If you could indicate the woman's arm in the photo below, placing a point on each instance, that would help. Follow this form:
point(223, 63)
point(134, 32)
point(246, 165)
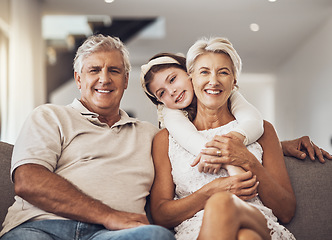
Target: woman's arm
point(168, 212)
point(275, 189)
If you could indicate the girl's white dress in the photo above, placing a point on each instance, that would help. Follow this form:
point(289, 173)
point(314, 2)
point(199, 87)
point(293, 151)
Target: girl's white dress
point(187, 180)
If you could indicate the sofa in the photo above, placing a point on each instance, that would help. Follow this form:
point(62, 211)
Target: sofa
point(311, 181)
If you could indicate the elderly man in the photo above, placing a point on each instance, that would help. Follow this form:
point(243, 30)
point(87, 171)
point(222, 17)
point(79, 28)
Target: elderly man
point(83, 171)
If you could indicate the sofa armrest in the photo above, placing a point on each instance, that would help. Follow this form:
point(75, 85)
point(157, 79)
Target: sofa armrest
point(312, 184)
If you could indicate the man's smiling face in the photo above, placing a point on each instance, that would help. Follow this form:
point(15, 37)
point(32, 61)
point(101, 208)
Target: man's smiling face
point(102, 81)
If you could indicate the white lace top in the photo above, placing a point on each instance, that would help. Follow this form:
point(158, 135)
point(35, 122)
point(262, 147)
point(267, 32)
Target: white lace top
point(188, 179)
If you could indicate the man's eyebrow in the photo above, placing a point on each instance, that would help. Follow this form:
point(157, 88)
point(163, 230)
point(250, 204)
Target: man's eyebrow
point(115, 67)
point(93, 66)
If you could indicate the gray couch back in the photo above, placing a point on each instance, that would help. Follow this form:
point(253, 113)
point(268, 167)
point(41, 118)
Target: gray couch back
point(312, 183)
point(6, 186)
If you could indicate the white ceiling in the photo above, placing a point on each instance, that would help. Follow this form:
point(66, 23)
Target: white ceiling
point(284, 25)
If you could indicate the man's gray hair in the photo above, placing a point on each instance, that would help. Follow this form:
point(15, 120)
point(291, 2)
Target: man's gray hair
point(100, 43)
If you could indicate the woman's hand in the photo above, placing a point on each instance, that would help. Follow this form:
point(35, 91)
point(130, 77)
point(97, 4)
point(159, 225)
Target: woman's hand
point(243, 185)
point(303, 146)
point(233, 152)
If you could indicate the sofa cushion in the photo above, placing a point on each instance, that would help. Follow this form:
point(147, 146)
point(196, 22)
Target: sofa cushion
point(6, 186)
point(312, 183)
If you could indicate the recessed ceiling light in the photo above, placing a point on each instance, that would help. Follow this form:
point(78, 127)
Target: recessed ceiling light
point(109, 1)
point(272, 0)
point(254, 27)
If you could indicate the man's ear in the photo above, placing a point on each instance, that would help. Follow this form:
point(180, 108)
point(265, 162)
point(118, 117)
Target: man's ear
point(77, 80)
point(126, 80)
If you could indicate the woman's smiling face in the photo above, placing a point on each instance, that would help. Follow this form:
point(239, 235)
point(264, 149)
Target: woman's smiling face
point(213, 79)
point(172, 87)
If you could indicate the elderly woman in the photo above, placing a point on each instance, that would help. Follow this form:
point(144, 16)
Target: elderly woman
point(207, 206)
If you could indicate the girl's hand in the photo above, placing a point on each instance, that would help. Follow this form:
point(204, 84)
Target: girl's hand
point(201, 160)
point(208, 167)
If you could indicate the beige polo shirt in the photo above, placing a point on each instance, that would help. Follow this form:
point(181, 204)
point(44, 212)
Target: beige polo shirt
point(112, 164)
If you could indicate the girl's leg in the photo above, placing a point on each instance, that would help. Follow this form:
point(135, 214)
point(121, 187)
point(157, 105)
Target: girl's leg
point(225, 215)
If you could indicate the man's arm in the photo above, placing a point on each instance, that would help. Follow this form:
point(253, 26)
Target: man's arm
point(303, 146)
point(52, 193)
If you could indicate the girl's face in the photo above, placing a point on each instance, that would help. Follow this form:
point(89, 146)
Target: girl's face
point(213, 80)
point(172, 87)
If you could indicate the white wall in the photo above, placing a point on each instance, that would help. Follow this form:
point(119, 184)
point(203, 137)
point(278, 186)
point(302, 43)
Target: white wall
point(26, 80)
point(259, 90)
point(65, 94)
point(303, 92)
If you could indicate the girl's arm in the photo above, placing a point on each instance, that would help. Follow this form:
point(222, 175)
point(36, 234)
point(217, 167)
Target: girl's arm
point(168, 212)
point(249, 118)
point(186, 134)
point(183, 130)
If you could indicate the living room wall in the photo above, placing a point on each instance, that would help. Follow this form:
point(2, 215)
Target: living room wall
point(25, 74)
point(303, 90)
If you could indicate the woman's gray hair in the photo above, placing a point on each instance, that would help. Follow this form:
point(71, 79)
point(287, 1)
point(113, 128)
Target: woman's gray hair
point(100, 43)
point(215, 45)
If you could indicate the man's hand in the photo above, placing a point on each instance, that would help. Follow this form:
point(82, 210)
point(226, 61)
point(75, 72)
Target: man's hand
point(303, 146)
point(122, 220)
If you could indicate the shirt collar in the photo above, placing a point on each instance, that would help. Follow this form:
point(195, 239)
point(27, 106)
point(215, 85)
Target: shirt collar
point(93, 117)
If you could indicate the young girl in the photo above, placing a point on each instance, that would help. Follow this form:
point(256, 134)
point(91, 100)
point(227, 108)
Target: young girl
point(166, 82)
